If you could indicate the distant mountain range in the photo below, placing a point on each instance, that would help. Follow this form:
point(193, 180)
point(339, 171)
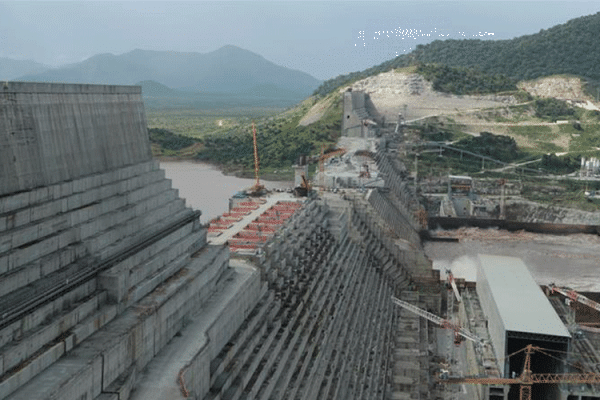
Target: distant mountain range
point(569, 48)
point(11, 69)
point(228, 71)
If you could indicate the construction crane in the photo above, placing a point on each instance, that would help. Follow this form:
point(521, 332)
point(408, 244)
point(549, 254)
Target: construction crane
point(527, 378)
point(574, 296)
point(459, 331)
point(324, 156)
point(452, 283)
point(257, 189)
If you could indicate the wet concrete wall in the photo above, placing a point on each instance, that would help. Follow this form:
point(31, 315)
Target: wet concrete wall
point(52, 133)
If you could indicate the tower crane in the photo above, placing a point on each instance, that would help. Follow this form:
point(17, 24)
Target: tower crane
point(527, 378)
point(257, 189)
point(459, 331)
point(574, 296)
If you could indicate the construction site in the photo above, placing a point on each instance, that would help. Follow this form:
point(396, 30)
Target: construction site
point(344, 288)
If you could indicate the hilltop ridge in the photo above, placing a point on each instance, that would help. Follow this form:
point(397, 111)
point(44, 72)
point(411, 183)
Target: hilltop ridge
point(549, 52)
point(229, 69)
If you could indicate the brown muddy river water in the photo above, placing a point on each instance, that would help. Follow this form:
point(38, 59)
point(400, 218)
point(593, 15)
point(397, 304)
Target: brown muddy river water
point(569, 260)
point(207, 189)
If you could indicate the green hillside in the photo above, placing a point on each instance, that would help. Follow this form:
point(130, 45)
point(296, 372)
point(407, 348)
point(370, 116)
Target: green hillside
point(571, 48)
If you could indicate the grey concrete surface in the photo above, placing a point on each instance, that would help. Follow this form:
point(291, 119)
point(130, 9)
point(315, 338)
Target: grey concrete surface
point(52, 133)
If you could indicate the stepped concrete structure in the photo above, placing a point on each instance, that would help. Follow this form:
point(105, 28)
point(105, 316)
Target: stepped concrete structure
point(110, 291)
point(101, 262)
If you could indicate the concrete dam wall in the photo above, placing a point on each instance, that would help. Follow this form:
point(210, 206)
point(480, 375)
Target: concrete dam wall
point(109, 290)
point(52, 133)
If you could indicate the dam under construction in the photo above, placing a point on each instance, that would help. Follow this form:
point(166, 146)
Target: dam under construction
point(112, 289)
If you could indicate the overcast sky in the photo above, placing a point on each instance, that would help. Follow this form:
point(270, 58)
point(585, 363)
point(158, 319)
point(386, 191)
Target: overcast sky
point(324, 39)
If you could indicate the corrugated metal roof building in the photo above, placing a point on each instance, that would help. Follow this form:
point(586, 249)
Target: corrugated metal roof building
point(519, 314)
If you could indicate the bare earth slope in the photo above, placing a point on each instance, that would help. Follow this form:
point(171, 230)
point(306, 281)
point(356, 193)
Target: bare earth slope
point(560, 87)
point(391, 91)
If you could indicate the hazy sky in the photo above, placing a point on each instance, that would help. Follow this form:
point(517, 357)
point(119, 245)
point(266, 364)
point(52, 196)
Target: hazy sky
point(324, 39)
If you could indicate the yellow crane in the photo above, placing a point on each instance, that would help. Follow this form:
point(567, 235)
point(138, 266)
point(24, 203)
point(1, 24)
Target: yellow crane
point(527, 378)
point(257, 189)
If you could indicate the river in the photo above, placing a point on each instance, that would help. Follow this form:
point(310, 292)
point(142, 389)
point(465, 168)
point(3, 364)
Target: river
point(207, 189)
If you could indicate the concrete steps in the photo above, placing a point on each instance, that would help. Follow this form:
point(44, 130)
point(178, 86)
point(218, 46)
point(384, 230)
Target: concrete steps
point(50, 237)
point(62, 222)
point(112, 344)
point(322, 330)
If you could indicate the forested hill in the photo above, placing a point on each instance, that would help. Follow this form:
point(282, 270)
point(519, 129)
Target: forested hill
point(570, 48)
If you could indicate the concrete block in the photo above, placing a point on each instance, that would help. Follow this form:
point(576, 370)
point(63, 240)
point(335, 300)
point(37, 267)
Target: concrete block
point(69, 342)
point(45, 210)
point(25, 374)
point(54, 191)
point(86, 183)
point(67, 256)
point(66, 189)
point(114, 284)
point(51, 263)
point(78, 186)
point(117, 358)
point(14, 202)
point(22, 217)
point(3, 264)
point(94, 322)
point(95, 180)
point(66, 238)
point(20, 278)
point(88, 198)
point(5, 243)
point(74, 201)
point(23, 236)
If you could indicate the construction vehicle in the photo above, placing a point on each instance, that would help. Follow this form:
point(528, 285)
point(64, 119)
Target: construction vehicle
point(460, 333)
point(527, 378)
point(304, 189)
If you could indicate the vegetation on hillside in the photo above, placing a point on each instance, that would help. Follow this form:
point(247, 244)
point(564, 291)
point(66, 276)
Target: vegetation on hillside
point(560, 165)
point(499, 147)
point(461, 80)
point(280, 140)
point(553, 109)
point(570, 48)
point(169, 140)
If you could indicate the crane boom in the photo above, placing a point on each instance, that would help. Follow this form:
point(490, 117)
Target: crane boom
point(573, 295)
point(526, 379)
point(324, 156)
point(453, 285)
point(257, 184)
point(590, 377)
point(444, 323)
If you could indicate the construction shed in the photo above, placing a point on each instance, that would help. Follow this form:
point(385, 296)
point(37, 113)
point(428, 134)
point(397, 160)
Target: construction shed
point(518, 313)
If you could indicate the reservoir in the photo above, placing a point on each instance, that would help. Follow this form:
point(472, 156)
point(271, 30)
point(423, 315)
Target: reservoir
point(204, 187)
